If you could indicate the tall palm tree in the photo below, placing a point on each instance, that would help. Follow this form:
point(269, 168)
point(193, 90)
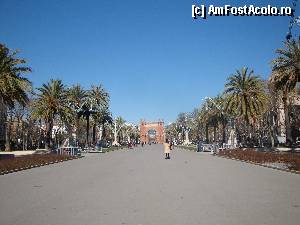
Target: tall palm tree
point(99, 98)
point(51, 102)
point(245, 95)
point(77, 97)
point(104, 118)
point(203, 120)
point(245, 99)
point(286, 67)
point(218, 115)
point(285, 75)
point(194, 132)
point(13, 87)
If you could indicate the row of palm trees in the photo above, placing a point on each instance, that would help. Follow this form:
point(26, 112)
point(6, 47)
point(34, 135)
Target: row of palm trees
point(250, 106)
point(53, 104)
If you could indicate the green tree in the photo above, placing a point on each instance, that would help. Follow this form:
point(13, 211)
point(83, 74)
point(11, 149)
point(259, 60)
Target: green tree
point(245, 99)
point(217, 115)
point(245, 95)
point(285, 75)
point(100, 102)
point(118, 124)
point(13, 86)
point(51, 102)
point(286, 67)
point(76, 97)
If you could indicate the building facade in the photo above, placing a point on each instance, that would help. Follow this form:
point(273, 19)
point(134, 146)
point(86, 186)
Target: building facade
point(152, 132)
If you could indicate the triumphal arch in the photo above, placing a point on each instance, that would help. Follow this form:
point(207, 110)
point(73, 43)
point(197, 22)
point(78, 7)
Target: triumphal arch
point(152, 132)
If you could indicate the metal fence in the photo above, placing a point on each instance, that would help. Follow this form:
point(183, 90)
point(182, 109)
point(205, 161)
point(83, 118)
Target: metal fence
point(74, 151)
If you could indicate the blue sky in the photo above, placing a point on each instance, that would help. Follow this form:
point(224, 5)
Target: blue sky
point(153, 58)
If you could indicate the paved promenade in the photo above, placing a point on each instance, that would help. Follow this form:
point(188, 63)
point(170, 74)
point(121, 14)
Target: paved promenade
point(140, 187)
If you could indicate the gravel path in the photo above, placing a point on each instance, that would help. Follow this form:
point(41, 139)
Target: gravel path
point(140, 187)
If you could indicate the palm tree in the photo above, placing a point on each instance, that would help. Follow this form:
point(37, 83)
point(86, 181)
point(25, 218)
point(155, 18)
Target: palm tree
point(103, 119)
point(245, 98)
point(286, 66)
point(203, 118)
point(285, 75)
point(51, 102)
point(217, 114)
point(89, 103)
point(76, 97)
point(13, 87)
point(100, 101)
point(197, 124)
point(99, 96)
point(245, 95)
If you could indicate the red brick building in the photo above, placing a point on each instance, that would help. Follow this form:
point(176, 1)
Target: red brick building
point(152, 132)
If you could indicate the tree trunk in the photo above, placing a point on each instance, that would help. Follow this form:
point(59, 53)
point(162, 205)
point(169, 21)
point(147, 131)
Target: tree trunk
point(3, 119)
point(94, 133)
point(77, 130)
point(288, 132)
point(49, 126)
point(23, 136)
point(7, 136)
point(69, 134)
point(40, 134)
point(8, 133)
point(101, 132)
point(272, 138)
point(26, 141)
point(87, 129)
point(103, 136)
point(223, 132)
point(206, 133)
point(215, 133)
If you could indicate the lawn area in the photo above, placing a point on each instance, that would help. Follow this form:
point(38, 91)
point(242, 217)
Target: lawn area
point(284, 160)
point(28, 161)
point(187, 147)
point(114, 148)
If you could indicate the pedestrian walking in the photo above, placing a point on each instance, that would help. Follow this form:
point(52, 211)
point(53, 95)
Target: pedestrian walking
point(167, 149)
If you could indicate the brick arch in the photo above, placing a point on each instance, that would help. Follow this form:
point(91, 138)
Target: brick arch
point(157, 126)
